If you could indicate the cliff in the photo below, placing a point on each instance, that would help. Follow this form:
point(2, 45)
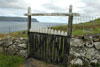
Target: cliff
point(16, 19)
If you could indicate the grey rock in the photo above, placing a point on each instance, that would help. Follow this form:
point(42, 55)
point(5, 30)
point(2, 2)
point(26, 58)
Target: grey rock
point(88, 37)
point(1, 50)
point(12, 49)
point(22, 45)
point(21, 38)
point(77, 55)
point(97, 45)
point(1, 43)
point(96, 56)
point(77, 61)
point(90, 53)
point(94, 61)
point(22, 53)
point(17, 41)
point(89, 44)
point(76, 43)
point(6, 45)
point(10, 42)
point(96, 38)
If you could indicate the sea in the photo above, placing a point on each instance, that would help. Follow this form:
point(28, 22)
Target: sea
point(6, 27)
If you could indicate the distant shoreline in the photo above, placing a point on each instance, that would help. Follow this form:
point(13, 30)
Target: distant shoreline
point(16, 19)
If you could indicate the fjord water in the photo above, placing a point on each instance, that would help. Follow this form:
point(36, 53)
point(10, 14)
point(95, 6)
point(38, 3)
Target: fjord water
point(5, 27)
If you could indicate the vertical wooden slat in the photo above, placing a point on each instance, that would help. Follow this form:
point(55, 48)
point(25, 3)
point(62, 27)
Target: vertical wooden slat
point(66, 50)
point(61, 49)
point(47, 51)
point(40, 45)
point(45, 46)
point(57, 46)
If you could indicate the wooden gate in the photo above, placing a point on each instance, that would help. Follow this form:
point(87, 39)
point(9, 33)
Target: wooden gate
point(50, 46)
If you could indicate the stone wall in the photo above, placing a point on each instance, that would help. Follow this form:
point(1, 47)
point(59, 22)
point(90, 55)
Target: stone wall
point(14, 46)
point(85, 50)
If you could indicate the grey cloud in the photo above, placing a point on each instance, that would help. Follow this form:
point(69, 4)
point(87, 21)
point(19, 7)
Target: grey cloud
point(52, 6)
point(92, 7)
point(19, 4)
point(11, 0)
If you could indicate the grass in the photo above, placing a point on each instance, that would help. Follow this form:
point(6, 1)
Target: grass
point(10, 61)
point(15, 34)
point(91, 27)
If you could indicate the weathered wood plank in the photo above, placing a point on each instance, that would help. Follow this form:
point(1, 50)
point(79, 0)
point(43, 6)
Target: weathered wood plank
point(53, 14)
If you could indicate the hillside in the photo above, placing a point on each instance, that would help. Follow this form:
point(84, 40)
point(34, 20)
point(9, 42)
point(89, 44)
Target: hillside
point(16, 19)
point(91, 27)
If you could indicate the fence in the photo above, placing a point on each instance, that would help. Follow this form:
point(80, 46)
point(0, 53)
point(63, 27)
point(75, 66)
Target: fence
point(86, 25)
point(47, 44)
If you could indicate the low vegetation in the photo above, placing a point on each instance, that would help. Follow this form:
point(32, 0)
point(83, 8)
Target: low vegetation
point(91, 27)
point(10, 61)
point(14, 34)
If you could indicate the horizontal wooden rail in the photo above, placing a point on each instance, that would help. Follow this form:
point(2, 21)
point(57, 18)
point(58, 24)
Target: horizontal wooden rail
point(52, 14)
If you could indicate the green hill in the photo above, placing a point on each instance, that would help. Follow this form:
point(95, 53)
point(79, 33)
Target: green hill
point(91, 27)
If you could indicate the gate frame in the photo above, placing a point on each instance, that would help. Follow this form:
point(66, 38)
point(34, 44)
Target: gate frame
point(70, 22)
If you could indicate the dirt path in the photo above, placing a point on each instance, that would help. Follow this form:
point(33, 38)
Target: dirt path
point(36, 63)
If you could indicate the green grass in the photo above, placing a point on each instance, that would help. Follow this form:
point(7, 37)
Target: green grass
point(15, 34)
point(91, 27)
point(78, 29)
point(10, 61)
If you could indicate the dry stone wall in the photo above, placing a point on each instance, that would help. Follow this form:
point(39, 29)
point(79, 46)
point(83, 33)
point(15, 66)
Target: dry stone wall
point(84, 50)
point(14, 46)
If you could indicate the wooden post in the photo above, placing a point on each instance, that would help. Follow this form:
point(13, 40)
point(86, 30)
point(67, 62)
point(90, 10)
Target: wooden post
point(29, 19)
point(28, 30)
point(70, 20)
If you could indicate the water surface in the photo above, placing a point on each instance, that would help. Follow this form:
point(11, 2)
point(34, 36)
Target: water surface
point(5, 27)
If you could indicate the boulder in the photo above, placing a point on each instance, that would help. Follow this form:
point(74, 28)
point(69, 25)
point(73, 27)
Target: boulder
point(21, 38)
point(89, 44)
point(76, 42)
point(22, 53)
point(96, 38)
point(90, 53)
point(88, 37)
point(77, 61)
point(23, 46)
point(12, 49)
point(97, 45)
point(8, 43)
point(94, 61)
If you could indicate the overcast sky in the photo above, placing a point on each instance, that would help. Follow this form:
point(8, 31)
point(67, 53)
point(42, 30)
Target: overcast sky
point(19, 7)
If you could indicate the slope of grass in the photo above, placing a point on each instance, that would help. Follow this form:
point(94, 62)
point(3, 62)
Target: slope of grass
point(91, 27)
point(10, 61)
